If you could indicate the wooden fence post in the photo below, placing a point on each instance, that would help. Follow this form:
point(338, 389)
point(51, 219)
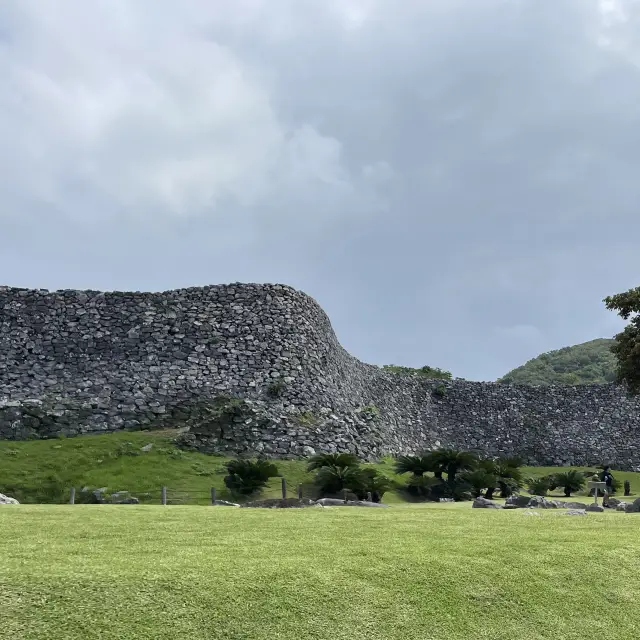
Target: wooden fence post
point(213, 496)
point(72, 496)
point(164, 495)
point(284, 489)
point(299, 492)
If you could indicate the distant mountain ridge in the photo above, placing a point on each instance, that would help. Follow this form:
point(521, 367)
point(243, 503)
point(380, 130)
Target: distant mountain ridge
point(587, 363)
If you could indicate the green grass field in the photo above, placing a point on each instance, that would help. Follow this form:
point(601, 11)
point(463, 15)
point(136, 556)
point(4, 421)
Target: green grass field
point(441, 572)
point(117, 462)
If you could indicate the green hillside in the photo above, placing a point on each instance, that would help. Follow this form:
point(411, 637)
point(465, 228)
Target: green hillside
point(588, 363)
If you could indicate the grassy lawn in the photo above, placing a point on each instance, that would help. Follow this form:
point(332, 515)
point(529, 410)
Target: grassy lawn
point(117, 461)
point(441, 572)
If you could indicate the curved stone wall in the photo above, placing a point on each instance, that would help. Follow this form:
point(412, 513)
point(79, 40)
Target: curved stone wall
point(85, 361)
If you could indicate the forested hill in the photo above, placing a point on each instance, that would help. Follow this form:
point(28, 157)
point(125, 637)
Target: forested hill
point(587, 363)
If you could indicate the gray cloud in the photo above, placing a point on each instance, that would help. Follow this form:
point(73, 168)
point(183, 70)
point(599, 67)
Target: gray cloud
point(453, 180)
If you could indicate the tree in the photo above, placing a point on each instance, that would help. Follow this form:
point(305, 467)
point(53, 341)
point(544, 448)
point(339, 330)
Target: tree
point(570, 481)
point(627, 343)
point(332, 460)
point(375, 483)
point(246, 477)
point(479, 480)
point(452, 461)
point(332, 480)
point(419, 464)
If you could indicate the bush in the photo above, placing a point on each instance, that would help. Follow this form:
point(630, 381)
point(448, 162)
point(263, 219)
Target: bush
point(246, 477)
point(276, 389)
point(539, 486)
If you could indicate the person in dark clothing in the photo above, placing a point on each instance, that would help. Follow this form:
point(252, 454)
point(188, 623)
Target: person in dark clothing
point(607, 478)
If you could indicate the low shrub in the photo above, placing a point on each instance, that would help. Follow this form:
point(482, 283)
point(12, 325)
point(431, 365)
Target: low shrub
point(539, 486)
point(247, 477)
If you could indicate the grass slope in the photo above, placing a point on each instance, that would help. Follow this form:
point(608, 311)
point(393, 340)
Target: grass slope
point(117, 462)
point(588, 363)
point(404, 573)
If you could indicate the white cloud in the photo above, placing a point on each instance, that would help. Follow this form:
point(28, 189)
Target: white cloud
point(107, 108)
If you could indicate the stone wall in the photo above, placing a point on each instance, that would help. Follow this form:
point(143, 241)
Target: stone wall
point(87, 362)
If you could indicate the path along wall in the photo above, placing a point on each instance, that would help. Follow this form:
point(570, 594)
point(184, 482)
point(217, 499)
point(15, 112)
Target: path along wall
point(77, 362)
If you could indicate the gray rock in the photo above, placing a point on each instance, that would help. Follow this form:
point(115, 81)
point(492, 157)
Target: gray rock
point(539, 502)
point(575, 512)
point(518, 501)
point(530, 513)
point(225, 503)
point(7, 500)
point(634, 507)
point(623, 506)
point(574, 505)
point(596, 508)
point(334, 502)
point(147, 447)
point(483, 503)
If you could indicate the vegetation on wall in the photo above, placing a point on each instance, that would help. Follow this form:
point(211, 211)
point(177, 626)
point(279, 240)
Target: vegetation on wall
point(587, 363)
point(425, 372)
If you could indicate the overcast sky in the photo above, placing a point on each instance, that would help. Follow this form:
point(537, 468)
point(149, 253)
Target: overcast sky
point(457, 182)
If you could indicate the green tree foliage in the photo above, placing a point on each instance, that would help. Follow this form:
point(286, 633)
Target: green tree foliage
point(425, 372)
point(452, 462)
point(588, 363)
point(570, 481)
point(479, 480)
point(441, 462)
point(337, 472)
point(626, 347)
point(321, 460)
point(419, 464)
point(331, 481)
point(246, 477)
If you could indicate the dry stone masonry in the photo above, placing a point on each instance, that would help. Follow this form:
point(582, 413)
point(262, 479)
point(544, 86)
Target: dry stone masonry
point(254, 368)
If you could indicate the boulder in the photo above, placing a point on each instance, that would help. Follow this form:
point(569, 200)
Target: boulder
point(335, 502)
point(612, 503)
point(634, 507)
point(519, 502)
point(511, 506)
point(123, 497)
point(7, 500)
point(579, 506)
point(623, 506)
point(279, 503)
point(539, 502)
point(576, 512)
point(483, 503)
point(596, 508)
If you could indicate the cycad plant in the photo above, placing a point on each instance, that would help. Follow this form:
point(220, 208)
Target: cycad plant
point(246, 477)
point(338, 460)
point(332, 480)
point(570, 481)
